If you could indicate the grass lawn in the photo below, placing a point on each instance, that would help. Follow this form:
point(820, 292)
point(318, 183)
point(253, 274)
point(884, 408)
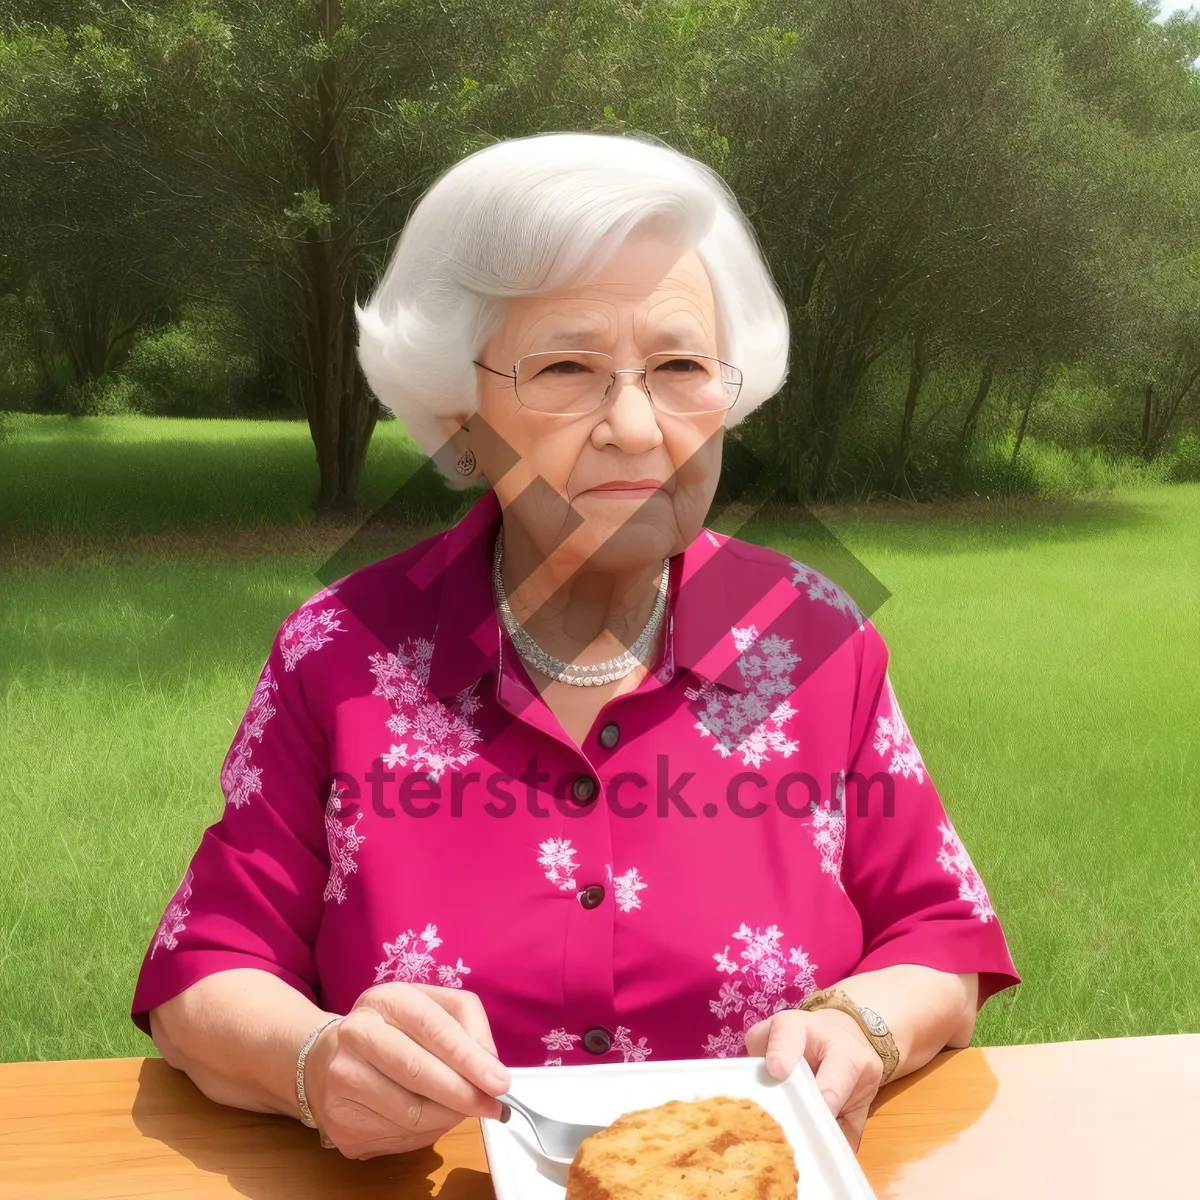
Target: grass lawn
point(1045, 653)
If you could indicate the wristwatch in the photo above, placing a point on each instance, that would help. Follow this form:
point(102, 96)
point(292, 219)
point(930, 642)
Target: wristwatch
point(872, 1024)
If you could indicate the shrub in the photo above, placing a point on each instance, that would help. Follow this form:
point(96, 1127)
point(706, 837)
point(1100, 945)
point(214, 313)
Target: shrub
point(198, 366)
point(55, 389)
point(1181, 462)
point(118, 396)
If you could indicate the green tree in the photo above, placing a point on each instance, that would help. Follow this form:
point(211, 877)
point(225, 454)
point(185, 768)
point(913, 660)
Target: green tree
point(992, 182)
point(90, 233)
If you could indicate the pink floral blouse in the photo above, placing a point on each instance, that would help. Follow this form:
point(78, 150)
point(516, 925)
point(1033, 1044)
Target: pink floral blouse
point(752, 822)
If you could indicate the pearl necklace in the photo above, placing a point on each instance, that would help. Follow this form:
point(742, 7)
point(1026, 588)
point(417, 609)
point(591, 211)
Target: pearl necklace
point(588, 674)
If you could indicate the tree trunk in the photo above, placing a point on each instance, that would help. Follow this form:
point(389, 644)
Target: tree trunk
point(916, 377)
point(967, 433)
point(825, 447)
point(783, 452)
point(831, 354)
point(1158, 418)
point(341, 413)
point(1033, 390)
point(1147, 408)
point(834, 404)
point(92, 328)
point(780, 452)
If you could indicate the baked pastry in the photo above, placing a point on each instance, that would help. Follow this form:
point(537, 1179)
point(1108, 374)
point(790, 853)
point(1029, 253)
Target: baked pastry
point(717, 1149)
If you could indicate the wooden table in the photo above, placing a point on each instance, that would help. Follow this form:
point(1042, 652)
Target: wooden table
point(1109, 1118)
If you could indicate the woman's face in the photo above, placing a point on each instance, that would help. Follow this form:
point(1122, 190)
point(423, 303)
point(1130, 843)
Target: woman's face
point(548, 469)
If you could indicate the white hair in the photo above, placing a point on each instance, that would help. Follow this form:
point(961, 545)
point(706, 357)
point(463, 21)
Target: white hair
point(527, 215)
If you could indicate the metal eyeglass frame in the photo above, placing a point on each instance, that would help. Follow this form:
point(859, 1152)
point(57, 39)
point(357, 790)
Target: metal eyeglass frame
point(618, 371)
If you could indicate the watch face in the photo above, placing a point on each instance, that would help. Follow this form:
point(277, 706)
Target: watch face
point(875, 1023)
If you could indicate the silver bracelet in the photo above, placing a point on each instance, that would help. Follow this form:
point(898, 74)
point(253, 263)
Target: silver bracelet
point(305, 1115)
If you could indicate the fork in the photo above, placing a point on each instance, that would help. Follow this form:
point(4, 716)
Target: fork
point(558, 1139)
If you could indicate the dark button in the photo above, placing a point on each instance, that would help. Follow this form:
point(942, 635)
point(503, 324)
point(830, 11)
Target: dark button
point(608, 736)
point(597, 1040)
point(591, 897)
point(583, 789)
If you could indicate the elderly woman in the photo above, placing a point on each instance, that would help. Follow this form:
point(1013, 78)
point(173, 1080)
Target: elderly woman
point(578, 780)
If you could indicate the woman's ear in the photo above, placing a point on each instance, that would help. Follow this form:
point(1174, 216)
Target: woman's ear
point(455, 452)
point(454, 425)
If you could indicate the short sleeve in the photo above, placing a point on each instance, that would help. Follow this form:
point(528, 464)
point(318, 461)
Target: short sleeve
point(252, 894)
point(919, 896)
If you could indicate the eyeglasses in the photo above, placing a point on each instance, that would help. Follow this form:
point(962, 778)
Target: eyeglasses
point(574, 382)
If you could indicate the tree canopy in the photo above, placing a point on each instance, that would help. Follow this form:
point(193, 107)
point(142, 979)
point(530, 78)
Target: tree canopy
point(1006, 186)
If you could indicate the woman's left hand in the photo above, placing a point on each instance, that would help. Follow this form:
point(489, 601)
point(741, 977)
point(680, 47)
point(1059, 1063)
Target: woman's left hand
point(846, 1065)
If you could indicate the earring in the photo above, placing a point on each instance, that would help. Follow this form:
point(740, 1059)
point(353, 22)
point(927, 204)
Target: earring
point(465, 464)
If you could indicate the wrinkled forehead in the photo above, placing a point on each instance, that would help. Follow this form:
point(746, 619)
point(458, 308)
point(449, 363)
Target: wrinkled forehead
point(646, 285)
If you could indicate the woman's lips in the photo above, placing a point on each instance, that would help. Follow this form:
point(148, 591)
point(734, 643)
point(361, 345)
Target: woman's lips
point(621, 490)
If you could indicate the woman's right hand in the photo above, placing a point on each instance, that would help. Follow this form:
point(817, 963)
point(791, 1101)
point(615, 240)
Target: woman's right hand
point(406, 1064)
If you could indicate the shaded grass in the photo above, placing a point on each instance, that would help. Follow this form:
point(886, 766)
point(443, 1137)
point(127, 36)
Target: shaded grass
point(102, 477)
point(1044, 656)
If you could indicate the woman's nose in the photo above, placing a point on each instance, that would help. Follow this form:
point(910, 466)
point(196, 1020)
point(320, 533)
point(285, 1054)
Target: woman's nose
point(631, 418)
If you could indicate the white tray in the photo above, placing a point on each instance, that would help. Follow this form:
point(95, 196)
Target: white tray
point(597, 1095)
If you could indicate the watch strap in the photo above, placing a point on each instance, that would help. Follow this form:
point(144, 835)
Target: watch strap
point(872, 1025)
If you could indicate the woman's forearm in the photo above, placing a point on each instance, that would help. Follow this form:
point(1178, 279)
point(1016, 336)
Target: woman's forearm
point(237, 1034)
point(926, 1010)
